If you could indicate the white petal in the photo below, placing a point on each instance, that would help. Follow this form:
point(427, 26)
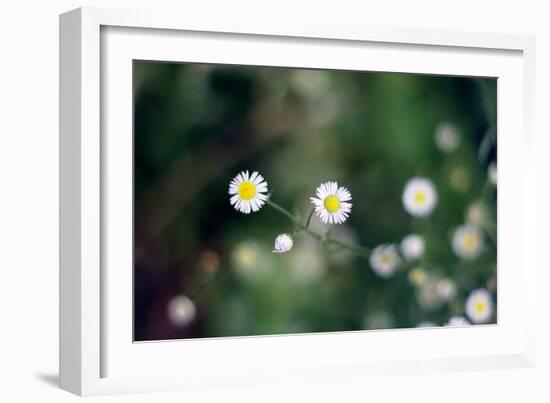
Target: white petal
point(258, 180)
point(253, 177)
point(254, 204)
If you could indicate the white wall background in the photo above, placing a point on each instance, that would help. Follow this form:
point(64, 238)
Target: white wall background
point(29, 201)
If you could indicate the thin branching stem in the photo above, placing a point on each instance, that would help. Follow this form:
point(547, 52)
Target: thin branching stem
point(358, 249)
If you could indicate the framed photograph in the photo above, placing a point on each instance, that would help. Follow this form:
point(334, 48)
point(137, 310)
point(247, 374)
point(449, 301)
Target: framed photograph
point(250, 202)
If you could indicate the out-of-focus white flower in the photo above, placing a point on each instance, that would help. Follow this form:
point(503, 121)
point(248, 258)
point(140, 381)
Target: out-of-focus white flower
point(447, 137)
point(427, 295)
point(311, 83)
point(248, 192)
point(181, 310)
point(307, 264)
point(479, 306)
point(417, 276)
point(384, 259)
point(458, 321)
point(324, 104)
point(492, 173)
point(412, 247)
point(378, 320)
point(325, 109)
point(283, 243)
point(332, 203)
point(426, 324)
point(245, 258)
point(419, 197)
point(476, 213)
point(467, 241)
point(446, 289)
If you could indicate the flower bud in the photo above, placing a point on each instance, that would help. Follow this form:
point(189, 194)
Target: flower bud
point(283, 243)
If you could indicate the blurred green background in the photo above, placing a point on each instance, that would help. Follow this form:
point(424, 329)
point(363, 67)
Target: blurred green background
point(202, 269)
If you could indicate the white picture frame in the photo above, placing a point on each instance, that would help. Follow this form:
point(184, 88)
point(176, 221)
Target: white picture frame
point(97, 353)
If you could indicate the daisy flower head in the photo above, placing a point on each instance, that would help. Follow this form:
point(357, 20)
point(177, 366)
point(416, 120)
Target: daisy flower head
point(384, 259)
point(419, 197)
point(283, 243)
point(427, 295)
point(467, 241)
point(476, 213)
point(412, 247)
point(417, 276)
point(248, 192)
point(446, 289)
point(332, 203)
point(181, 310)
point(458, 321)
point(479, 306)
point(307, 264)
point(447, 137)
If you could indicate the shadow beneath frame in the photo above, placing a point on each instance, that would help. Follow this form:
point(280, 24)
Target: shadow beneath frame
point(49, 379)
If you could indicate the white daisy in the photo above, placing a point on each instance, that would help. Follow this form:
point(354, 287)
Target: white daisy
point(332, 203)
point(412, 247)
point(248, 192)
point(492, 173)
point(447, 137)
point(476, 213)
point(458, 321)
point(419, 197)
point(446, 289)
point(467, 241)
point(427, 295)
point(384, 259)
point(283, 243)
point(307, 264)
point(181, 310)
point(246, 258)
point(417, 276)
point(479, 306)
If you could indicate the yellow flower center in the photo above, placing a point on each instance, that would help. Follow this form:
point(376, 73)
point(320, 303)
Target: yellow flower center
point(479, 307)
point(332, 203)
point(247, 190)
point(469, 242)
point(246, 257)
point(420, 196)
point(417, 276)
point(386, 258)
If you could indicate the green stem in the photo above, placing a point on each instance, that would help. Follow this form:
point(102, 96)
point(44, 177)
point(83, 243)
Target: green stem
point(285, 212)
point(360, 250)
point(308, 221)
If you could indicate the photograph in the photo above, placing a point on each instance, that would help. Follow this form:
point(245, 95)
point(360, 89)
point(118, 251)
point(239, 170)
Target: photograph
point(273, 200)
